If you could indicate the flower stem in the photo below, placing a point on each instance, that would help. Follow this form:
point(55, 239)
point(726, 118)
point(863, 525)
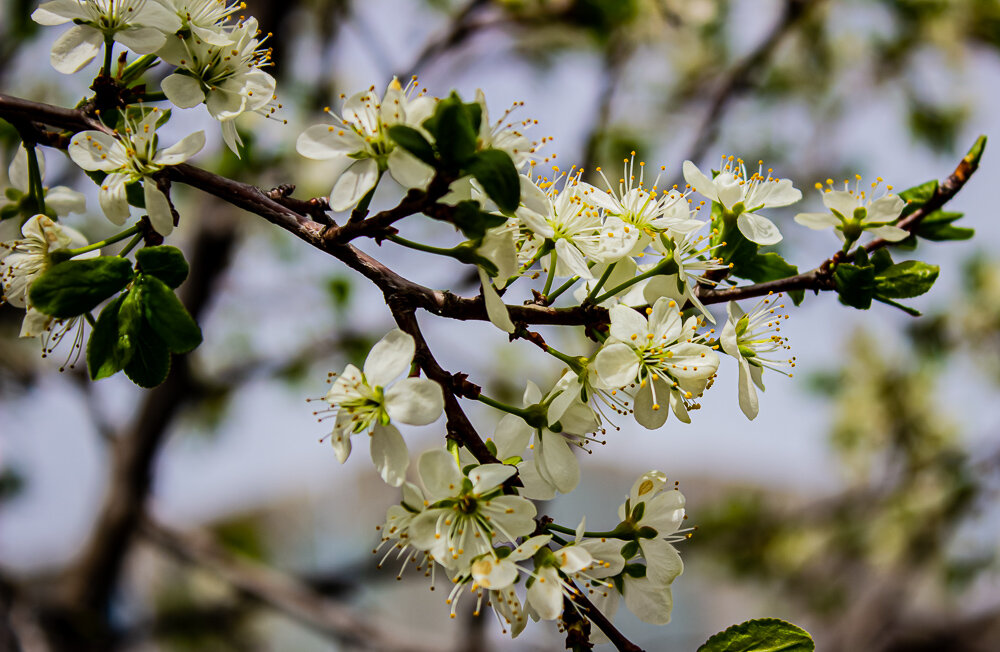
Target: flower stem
point(611, 534)
point(109, 46)
point(131, 245)
point(562, 288)
point(656, 270)
point(551, 276)
point(35, 179)
point(601, 281)
point(575, 363)
point(135, 69)
point(69, 253)
point(510, 409)
point(154, 96)
point(440, 251)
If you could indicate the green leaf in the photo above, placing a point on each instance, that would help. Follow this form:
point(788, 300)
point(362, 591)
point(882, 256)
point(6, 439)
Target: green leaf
point(167, 316)
point(454, 136)
point(150, 361)
point(881, 259)
point(473, 222)
point(74, 287)
point(414, 142)
point(770, 267)
point(104, 357)
point(164, 262)
point(855, 285)
point(917, 196)
point(938, 227)
point(907, 279)
point(912, 312)
point(761, 635)
point(495, 172)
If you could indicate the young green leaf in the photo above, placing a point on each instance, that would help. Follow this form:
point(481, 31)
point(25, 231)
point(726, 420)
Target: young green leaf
point(414, 142)
point(103, 354)
point(472, 221)
point(855, 285)
point(454, 136)
point(164, 262)
point(495, 172)
point(770, 267)
point(761, 635)
point(907, 279)
point(167, 316)
point(917, 196)
point(73, 287)
point(150, 361)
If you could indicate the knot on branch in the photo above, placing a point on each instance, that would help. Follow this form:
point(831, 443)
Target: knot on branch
point(521, 332)
point(462, 386)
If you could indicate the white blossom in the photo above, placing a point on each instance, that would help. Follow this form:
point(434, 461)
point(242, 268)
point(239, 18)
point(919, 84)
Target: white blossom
point(362, 402)
point(60, 200)
point(131, 157)
point(750, 338)
point(361, 134)
point(659, 354)
point(206, 19)
point(853, 211)
point(742, 195)
point(140, 25)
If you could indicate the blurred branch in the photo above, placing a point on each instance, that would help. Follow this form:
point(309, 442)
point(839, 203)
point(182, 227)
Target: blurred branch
point(278, 590)
point(745, 73)
point(8, 637)
point(460, 28)
point(617, 54)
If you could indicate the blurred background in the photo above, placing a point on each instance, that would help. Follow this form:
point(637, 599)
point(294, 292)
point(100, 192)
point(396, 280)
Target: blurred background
point(861, 504)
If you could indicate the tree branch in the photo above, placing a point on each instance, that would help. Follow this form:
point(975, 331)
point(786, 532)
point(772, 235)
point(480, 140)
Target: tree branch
point(278, 590)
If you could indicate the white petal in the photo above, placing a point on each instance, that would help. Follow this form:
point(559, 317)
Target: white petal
point(416, 401)
point(157, 207)
point(95, 150)
point(182, 150)
point(535, 487)
point(570, 260)
point(494, 574)
point(885, 209)
point(617, 364)
point(389, 358)
point(487, 477)
point(408, 170)
point(529, 547)
point(759, 229)
point(353, 184)
point(649, 602)
point(545, 595)
point(730, 190)
point(322, 142)
point(890, 233)
point(113, 200)
point(439, 474)
point(699, 181)
point(649, 413)
point(665, 512)
point(532, 197)
point(511, 436)
point(774, 194)
point(141, 40)
point(389, 454)
point(183, 91)
point(663, 564)
point(76, 48)
point(607, 556)
point(495, 308)
point(18, 174)
point(231, 137)
point(58, 12)
point(64, 200)
point(573, 559)
point(626, 322)
point(556, 462)
point(341, 441)
point(748, 393)
point(532, 394)
point(841, 201)
point(817, 221)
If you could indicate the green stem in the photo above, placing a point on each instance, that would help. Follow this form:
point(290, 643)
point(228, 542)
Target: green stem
point(525, 267)
point(440, 251)
point(90, 319)
point(575, 363)
point(131, 245)
point(601, 281)
point(69, 253)
point(155, 96)
point(656, 270)
point(135, 69)
point(562, 288)
point(35, 179)
point(611, 534)
point(510, 409)
point(552, 275)
point(109, 46)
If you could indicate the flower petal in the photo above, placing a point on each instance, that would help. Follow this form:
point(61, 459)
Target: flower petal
point(416, 401)
point(650, 413)
point(511, 436)
point(617, 364)
point(389, 358)
point(495, 308)
point(759, 229)
point(141, 40)
point(885, 209)
point(322, 142)
point(439, 474)
point(96, 150)
point(650, 602)
point(626, 322)
point(353, 184)
point(182, 150)
point(58, 12)
point(76, 48)
point(157, 207)
point(699, 181)
point(487, 477)
point(389, 454)
point(748, 393)
point(890, 233)
point(545, 595)
point(663, 564)
point(556, 462)
point(183, 91)
point(408, 170)
point(818, 221)
point(113, 200)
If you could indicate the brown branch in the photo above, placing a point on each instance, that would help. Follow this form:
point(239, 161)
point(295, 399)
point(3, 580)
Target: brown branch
point(282, 592)
point(743, 75)
point(597, 617)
